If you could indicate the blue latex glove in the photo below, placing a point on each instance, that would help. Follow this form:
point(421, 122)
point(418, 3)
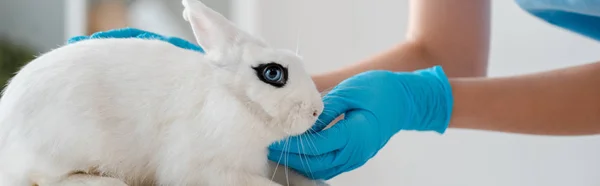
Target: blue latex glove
point(376, 105)
point(137, 33)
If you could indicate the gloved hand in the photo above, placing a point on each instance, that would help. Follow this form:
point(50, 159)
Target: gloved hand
point(137, 33)
point(376, 105)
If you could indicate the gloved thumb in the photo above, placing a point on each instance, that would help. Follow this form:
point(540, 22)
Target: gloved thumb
point(335, 105)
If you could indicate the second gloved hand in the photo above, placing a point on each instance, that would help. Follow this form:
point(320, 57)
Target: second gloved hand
point(126, 33)
point(376, 105)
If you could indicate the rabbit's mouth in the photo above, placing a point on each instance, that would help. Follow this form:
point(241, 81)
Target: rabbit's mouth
point(300, 119)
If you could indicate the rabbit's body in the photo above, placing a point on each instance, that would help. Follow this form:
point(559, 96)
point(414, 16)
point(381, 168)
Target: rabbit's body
point(145, 112)
point(130, 114)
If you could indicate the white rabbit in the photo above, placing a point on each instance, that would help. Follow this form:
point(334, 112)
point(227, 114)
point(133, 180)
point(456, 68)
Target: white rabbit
point(144, 112)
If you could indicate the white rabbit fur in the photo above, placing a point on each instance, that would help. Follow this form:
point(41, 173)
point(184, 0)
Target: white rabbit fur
point(145, 112)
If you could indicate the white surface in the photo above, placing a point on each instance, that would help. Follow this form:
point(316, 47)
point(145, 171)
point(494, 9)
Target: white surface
point(335, 33)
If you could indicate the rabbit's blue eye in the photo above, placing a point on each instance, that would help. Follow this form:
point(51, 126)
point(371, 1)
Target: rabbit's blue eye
point(272, 73)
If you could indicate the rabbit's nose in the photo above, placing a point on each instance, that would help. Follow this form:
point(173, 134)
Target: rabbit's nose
point(316, 112)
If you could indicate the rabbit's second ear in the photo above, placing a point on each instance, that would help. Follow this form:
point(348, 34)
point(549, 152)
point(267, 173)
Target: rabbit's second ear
point(211, 29)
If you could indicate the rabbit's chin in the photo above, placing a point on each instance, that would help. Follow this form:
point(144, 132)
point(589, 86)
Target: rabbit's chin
point(298, 127)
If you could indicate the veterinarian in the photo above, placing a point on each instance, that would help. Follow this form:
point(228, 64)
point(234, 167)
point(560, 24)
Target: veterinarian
point(436, 80)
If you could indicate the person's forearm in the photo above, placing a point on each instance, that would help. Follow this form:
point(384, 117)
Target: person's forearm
point(404, 57)
point(558, 102)
point(453, 34)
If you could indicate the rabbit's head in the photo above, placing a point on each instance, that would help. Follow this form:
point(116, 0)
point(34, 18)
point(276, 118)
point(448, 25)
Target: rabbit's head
point(272, 83)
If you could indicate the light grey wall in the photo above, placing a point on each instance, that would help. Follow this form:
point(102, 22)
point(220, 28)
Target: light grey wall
point(221, 6)
point(36, 23)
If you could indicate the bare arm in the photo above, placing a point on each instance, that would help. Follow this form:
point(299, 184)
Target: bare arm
point(454, 34)
point(558, 102)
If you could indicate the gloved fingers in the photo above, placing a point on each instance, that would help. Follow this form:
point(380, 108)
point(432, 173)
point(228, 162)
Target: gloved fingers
point(184, 44)
point(348, 158)
point(76, 39)
point(115, 33)
point(120, 33)
point(313, 165)
point(355, 166)
point(336, 168)
point(151, 36)
point(314, 143)
point(327, 116)
point(335, 105)
point(324, 164)
point(335, 171)
point(137, 33)
point(304, 163)
point(326, 174)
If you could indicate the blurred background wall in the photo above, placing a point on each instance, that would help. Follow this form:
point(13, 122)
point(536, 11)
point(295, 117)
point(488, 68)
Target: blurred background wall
point(37, 23)
point(334, 33)
point(46, 24)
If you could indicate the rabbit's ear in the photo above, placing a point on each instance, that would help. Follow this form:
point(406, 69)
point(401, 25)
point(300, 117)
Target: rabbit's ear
point(213, 32)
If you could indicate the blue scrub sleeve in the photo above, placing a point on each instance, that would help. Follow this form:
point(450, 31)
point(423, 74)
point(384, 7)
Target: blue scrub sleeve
point(579, 16)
